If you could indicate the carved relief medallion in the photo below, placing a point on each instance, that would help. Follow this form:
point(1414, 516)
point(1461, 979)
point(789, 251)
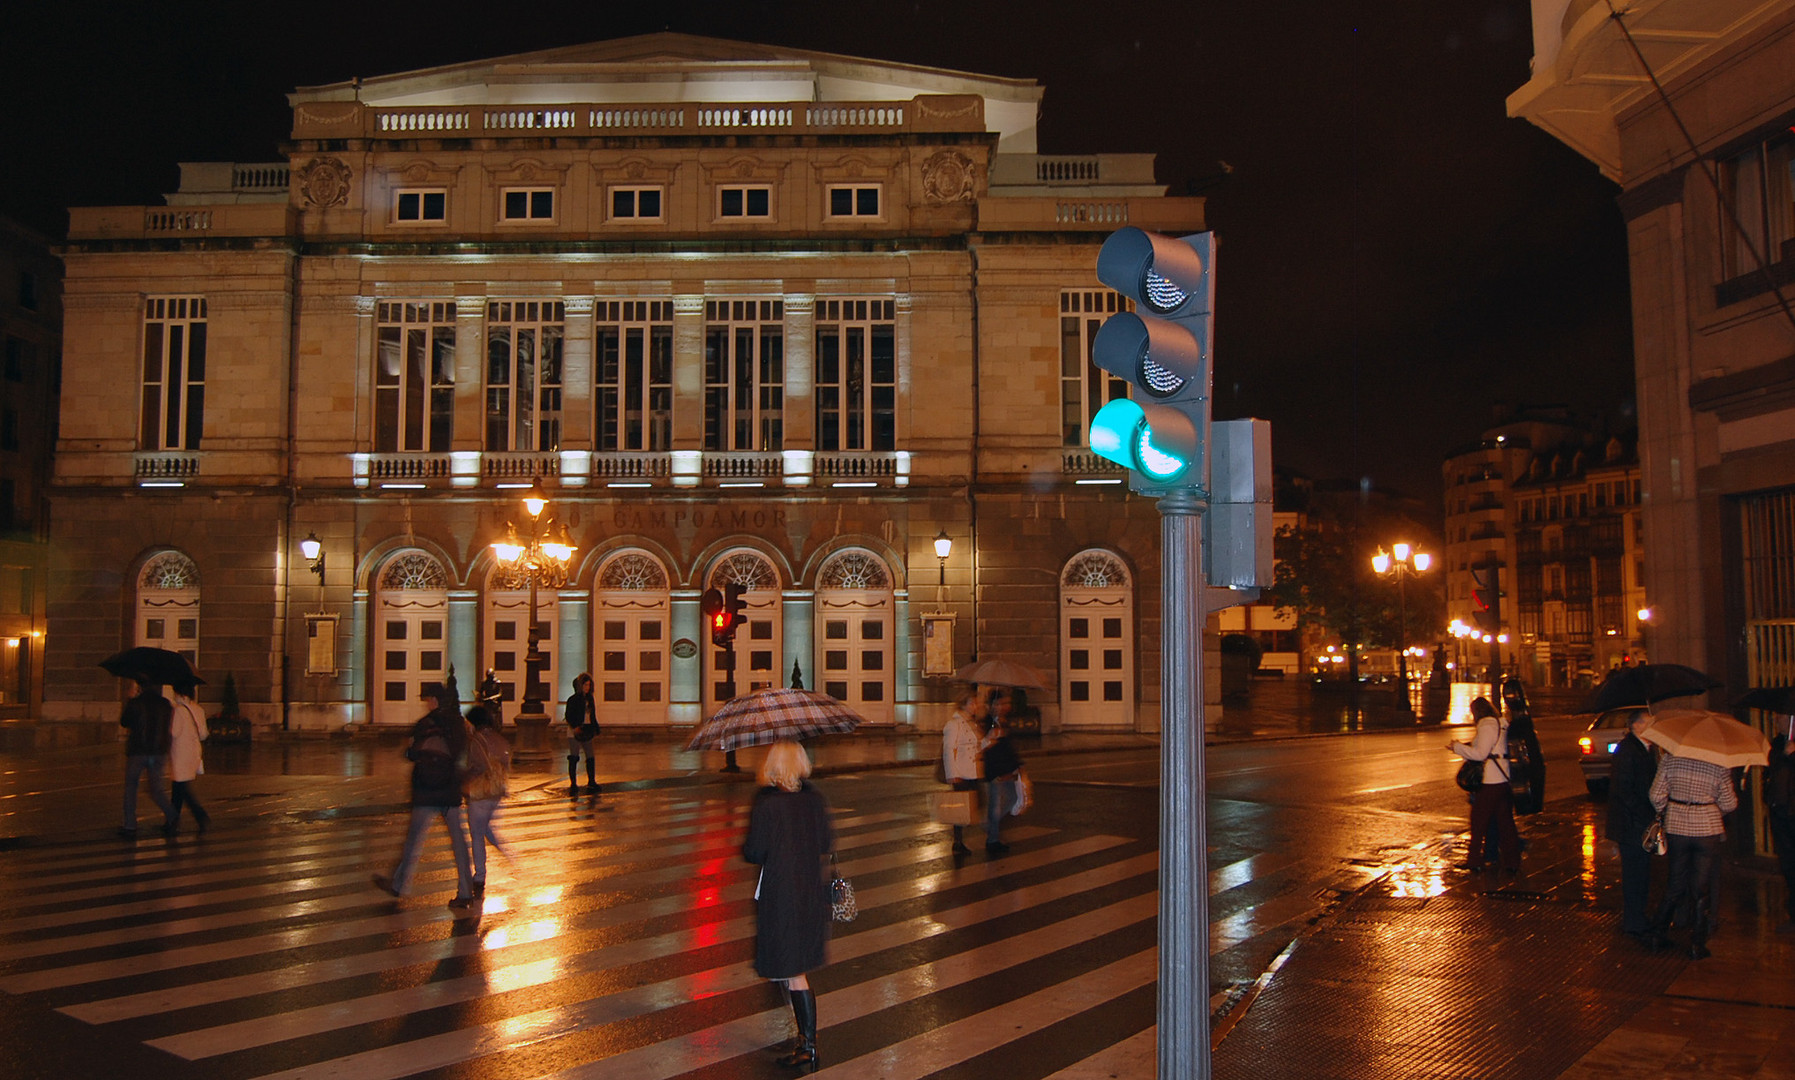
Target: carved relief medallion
point(324, 182)
point(948, 177)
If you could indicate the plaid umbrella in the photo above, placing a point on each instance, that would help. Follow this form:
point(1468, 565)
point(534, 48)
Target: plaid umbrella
point(767, 716)
point(1001, 673)
point(1708, 736)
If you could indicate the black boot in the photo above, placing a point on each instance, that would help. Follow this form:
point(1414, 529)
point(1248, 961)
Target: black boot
point(573, 775)
point(591, 777)
point(804, 1011)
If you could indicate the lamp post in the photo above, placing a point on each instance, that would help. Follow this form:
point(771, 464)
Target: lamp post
point(539, 557)
point(1401, 561)
point(313, 550)
point(944, 546)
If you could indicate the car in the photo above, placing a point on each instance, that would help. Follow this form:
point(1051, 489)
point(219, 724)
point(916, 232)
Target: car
point(1596, 748)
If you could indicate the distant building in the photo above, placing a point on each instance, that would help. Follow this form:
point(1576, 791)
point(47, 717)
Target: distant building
point(1555, 510)
point(750, 315)
point(31, 340)
point(1711, 233)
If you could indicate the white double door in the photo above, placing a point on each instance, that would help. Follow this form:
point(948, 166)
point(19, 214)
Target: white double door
point(759, 651)
point(410, 649)
point(630, 649)
point(855, 653)
point(507, 640)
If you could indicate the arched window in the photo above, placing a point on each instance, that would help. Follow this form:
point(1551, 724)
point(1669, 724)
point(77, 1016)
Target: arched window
point(632, 631)
point(1096, 642)
point(854, 624)
point(759, 649)
point(168, 604)
point(411, 629)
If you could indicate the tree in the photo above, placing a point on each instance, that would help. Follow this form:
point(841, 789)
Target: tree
point(1324, 575)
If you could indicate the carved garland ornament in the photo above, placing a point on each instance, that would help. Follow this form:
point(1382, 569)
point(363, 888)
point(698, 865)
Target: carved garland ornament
point(324, 182)
point(949, 176)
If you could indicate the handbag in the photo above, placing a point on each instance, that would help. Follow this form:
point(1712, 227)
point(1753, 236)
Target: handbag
point(842, 905)
point(955, 807)
point(1025, 793)
point(1470, 775)
point(1654, 840)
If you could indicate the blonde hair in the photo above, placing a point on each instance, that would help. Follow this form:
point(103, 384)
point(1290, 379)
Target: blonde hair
point(786, 766)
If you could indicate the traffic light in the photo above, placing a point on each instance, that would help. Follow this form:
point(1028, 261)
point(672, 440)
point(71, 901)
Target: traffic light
point(734, 606)
point(721, 620)
point(1162, 350)
point(1486, 598)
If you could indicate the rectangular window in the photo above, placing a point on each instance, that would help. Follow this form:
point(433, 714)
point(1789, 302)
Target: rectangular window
point(523, 374)
point(636, 203)
point(414, 376)
point(1085, 387)
point(744, 375)
point(174, 373)
point(420, 205)
point(853, 202)
point(527, 204)
point(744, 202)
point(21, 357)
point(633, 362)
point(9, 429)
point(856, 375)
point(1760, 186)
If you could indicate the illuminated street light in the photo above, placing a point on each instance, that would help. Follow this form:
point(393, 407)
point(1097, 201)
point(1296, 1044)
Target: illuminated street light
point(1401, 560)
point(538, 558)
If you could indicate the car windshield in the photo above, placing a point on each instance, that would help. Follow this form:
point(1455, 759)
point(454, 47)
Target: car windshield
point(1616, 720)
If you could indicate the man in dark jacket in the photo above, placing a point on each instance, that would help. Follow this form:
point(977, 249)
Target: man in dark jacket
point(1779, 800)
point(147, 720)
point(438, 746)
point(1629, 813)
point(581, 717)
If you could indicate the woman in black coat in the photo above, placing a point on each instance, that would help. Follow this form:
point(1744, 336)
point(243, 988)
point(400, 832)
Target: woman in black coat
point(789, 836)
point(1629, 813)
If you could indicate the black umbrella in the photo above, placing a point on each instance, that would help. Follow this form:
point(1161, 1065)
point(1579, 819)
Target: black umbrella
point(1647, 684)
point(1776, 699)
point(157, 665)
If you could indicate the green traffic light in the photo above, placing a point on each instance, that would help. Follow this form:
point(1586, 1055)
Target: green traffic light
point(1122, 432)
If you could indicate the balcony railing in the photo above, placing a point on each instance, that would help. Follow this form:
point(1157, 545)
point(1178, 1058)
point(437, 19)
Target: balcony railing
point(495, 465)
point(743, 466)
point(408, 468)
point(869, 466)
point(1081, 462)
point(628, 467)
point(167, 466)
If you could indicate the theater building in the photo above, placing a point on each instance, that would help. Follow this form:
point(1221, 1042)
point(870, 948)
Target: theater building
point(745, 314)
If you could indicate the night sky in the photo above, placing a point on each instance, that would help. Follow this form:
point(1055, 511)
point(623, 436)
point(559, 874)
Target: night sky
point(1397, 255)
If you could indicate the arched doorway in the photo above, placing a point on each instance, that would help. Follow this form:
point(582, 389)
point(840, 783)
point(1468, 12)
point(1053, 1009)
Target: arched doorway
point(411, 626)
point(168, 605)
point(632, 623)
point(759, 652)
point(1096, 642)
point(854, 624)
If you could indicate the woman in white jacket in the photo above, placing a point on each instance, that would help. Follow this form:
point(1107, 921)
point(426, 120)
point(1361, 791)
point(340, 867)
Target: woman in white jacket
point(184, 757)
point(1493, 806)
point(960, 744)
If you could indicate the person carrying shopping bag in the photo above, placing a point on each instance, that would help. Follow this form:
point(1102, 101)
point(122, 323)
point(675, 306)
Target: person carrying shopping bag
point(187, 730)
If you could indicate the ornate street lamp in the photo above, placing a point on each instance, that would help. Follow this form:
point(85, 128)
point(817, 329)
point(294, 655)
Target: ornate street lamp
point(944, 546)
point(539, 557)
point(1401, 561)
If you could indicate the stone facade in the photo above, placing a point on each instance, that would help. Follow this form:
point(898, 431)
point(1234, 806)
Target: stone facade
point(861, 323)
point(30, 356)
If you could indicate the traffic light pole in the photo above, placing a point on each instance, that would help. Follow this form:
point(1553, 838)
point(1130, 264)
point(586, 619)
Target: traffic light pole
point(1183, 812)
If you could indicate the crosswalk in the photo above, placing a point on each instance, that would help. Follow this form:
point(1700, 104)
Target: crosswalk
point(615, 940)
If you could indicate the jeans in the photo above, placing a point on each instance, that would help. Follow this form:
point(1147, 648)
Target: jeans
point(136, 765)
point(479, 827)
point(414, 842)
point(1691, 882)
point(1000, 796)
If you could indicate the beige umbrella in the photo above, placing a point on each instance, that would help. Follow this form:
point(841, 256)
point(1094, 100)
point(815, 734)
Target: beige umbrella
point(1001, 673)
point(1708, 736)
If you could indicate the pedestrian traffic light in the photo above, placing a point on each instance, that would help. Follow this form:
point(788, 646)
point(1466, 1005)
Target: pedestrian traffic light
point(720, 618)
point(1162, 350)
point(1486, 598)
point(734, 606)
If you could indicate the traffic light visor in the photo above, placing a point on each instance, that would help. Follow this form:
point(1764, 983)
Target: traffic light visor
point(1166, 275)
point(1160, 357)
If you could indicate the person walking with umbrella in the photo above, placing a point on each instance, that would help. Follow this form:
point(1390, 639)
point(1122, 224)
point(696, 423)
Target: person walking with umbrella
point(148, 721)
point(1779, 799)
point(1003, 772)
point(1630, 813)
point(789, 836)
point(438, 742)
point(185, 758)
